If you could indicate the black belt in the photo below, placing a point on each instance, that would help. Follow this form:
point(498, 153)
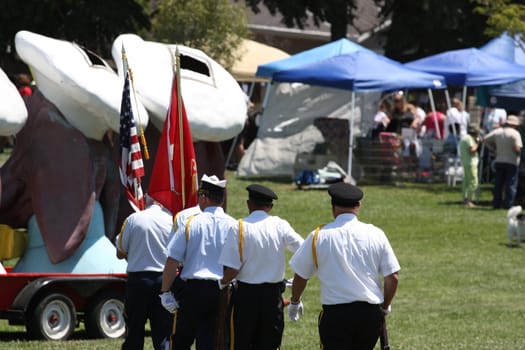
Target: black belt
point(266, 285)
point(354, 303)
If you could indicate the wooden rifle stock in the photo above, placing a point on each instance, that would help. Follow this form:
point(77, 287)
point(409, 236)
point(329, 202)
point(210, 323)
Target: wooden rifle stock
point(383, 337)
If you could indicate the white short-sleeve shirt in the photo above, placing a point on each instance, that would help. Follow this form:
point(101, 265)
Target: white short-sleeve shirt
point(351, 256)
point(144, 237)
point(199, 253)
point(264, 243)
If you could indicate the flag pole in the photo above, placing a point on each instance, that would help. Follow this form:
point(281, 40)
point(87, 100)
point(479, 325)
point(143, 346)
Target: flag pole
point(128, 70)
point(181, 134)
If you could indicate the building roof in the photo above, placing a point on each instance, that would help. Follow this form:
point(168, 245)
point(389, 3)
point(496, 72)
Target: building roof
point(271, 30)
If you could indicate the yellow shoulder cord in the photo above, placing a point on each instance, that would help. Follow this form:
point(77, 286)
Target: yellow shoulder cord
point(187, 231)
point(175, 227)
point(314, 245)
point(121, 234)
point(241, 237)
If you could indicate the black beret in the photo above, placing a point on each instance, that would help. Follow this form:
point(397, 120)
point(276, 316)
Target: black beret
point(344, 194)
point(261, 194)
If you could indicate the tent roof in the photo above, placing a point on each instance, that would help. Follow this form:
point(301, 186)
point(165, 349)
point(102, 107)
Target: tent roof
point(506, 47)
point(253, 54)
point(331, 49)
point(360, 71)
point(509, 96)
point(470, 67)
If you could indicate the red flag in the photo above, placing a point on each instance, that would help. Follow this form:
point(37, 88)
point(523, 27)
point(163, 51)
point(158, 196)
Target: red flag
point(131, 165)
point(174, 176)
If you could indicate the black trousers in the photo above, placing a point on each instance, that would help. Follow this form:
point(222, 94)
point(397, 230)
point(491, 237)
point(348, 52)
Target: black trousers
point(197, 316)
point(142, 303)
point(352, 326)
point(258, 316)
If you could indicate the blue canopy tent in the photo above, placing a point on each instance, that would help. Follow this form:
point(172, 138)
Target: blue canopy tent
point(509, 48)
point(509, 96)
point(334, 48)
point(359, 71)
point(250, 164)
point(470, 67)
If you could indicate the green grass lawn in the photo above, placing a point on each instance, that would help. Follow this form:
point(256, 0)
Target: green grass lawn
point(460, 286)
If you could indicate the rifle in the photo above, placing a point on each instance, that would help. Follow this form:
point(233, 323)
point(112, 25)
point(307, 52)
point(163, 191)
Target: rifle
point(383, 337)
point(221, 329)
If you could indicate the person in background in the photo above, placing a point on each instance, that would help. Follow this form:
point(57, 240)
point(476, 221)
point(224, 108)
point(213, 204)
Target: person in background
point(348, 257)
point(254, 254)
point(404, 115)
point(468, 152)
point(506, 143)
point(197, 245)
point(494, 118)
point(381, 119)
point(24, 84)
point(457, 119)
point(433, 119)
point(142, 241)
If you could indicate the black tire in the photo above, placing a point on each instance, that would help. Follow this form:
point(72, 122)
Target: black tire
point(104, 317)
point(52, 318)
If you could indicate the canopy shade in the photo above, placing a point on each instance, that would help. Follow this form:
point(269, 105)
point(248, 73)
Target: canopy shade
point(253, 54)
point(470, 67)
point(508, 96)
point(360, 71)
point(331, 49)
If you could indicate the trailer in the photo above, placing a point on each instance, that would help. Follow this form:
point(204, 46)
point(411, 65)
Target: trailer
point(52, 305)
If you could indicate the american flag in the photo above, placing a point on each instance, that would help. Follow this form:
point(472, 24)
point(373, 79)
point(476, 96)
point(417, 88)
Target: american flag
point(131, 165)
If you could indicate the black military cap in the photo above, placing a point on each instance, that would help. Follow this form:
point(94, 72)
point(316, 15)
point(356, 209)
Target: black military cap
point(261, 194)
point(344, 194)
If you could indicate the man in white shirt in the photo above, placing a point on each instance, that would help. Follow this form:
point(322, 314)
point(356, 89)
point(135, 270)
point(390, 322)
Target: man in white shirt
point(254, 254)
point(494, 118)
point(348, 257)
point(197, 245)
point(142, 241)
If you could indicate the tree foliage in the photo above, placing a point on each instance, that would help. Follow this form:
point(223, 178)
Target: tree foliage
point(425, 27)
point(93, 24)
point(215, 26)
point(339, 13)
point(503, 16)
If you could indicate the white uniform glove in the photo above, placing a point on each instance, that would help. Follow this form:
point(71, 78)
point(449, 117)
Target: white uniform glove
point(222, 286)
point(386, 311)
point(168, 302)
point(295, 310)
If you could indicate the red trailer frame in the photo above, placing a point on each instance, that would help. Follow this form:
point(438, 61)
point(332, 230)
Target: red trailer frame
point(51, 305)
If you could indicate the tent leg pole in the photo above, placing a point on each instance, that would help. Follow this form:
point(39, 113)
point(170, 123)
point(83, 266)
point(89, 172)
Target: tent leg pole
point(266, 95)
point(464, 97)
point(351, 136)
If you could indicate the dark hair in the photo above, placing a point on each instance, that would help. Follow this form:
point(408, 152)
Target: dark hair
point(212, 196)
point(345, 204)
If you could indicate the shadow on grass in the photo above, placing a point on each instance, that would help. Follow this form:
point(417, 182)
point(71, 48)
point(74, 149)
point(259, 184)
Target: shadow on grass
point(511, 246)
point(479, 204)
point(22, 335)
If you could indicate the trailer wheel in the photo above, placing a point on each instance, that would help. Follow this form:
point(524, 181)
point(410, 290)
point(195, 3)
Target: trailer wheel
point(105, 316)
point(53, 318)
